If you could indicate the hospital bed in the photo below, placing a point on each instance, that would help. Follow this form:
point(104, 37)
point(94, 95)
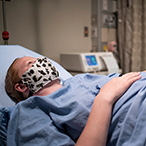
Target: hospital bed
point(128, 121)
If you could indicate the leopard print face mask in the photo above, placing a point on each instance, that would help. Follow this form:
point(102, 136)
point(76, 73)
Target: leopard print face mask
point(39, 74)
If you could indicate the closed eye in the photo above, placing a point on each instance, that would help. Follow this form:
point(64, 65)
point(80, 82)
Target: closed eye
point(30, 63)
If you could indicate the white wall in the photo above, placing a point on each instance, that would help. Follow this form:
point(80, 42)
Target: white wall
point(49, 27)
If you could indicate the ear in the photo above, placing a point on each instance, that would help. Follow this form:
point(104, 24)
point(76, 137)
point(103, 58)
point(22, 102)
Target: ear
point(21, 87)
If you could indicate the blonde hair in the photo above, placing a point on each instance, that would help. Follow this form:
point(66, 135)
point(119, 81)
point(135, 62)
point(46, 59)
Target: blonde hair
point(12, 77)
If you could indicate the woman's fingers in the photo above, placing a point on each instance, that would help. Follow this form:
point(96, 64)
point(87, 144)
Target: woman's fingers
point(115, 88)
point(130, 78)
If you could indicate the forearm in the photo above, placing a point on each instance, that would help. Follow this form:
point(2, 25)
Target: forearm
point(96, 129)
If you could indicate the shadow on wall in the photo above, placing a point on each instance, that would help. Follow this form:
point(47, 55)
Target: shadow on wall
point(35, 6)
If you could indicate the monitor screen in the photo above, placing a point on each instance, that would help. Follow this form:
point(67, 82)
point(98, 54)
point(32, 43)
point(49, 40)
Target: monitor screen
point(91, 60)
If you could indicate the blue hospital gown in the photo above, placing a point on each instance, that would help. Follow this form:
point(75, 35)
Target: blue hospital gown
point(59, 118)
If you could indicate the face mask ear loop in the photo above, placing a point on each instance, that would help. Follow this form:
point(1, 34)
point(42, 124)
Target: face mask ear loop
point(30, 93)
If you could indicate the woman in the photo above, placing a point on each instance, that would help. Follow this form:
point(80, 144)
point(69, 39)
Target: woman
point(100, 114)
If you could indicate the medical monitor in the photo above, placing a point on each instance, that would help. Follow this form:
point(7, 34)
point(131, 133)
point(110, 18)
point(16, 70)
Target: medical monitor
point(91, 60)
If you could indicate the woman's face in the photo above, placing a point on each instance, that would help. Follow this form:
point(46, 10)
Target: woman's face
point(24, 64)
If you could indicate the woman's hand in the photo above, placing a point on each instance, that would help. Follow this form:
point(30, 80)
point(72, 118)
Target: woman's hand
point(115, 88)
point(96, 129)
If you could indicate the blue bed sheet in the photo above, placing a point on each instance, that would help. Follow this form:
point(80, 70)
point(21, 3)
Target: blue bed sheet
point(59, 118)
point(4, 120)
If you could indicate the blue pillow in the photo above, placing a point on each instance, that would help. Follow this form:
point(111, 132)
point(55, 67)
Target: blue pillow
point(4, 119)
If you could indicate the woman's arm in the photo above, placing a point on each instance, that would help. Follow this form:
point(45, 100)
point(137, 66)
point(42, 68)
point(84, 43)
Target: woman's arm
point(96, 129)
